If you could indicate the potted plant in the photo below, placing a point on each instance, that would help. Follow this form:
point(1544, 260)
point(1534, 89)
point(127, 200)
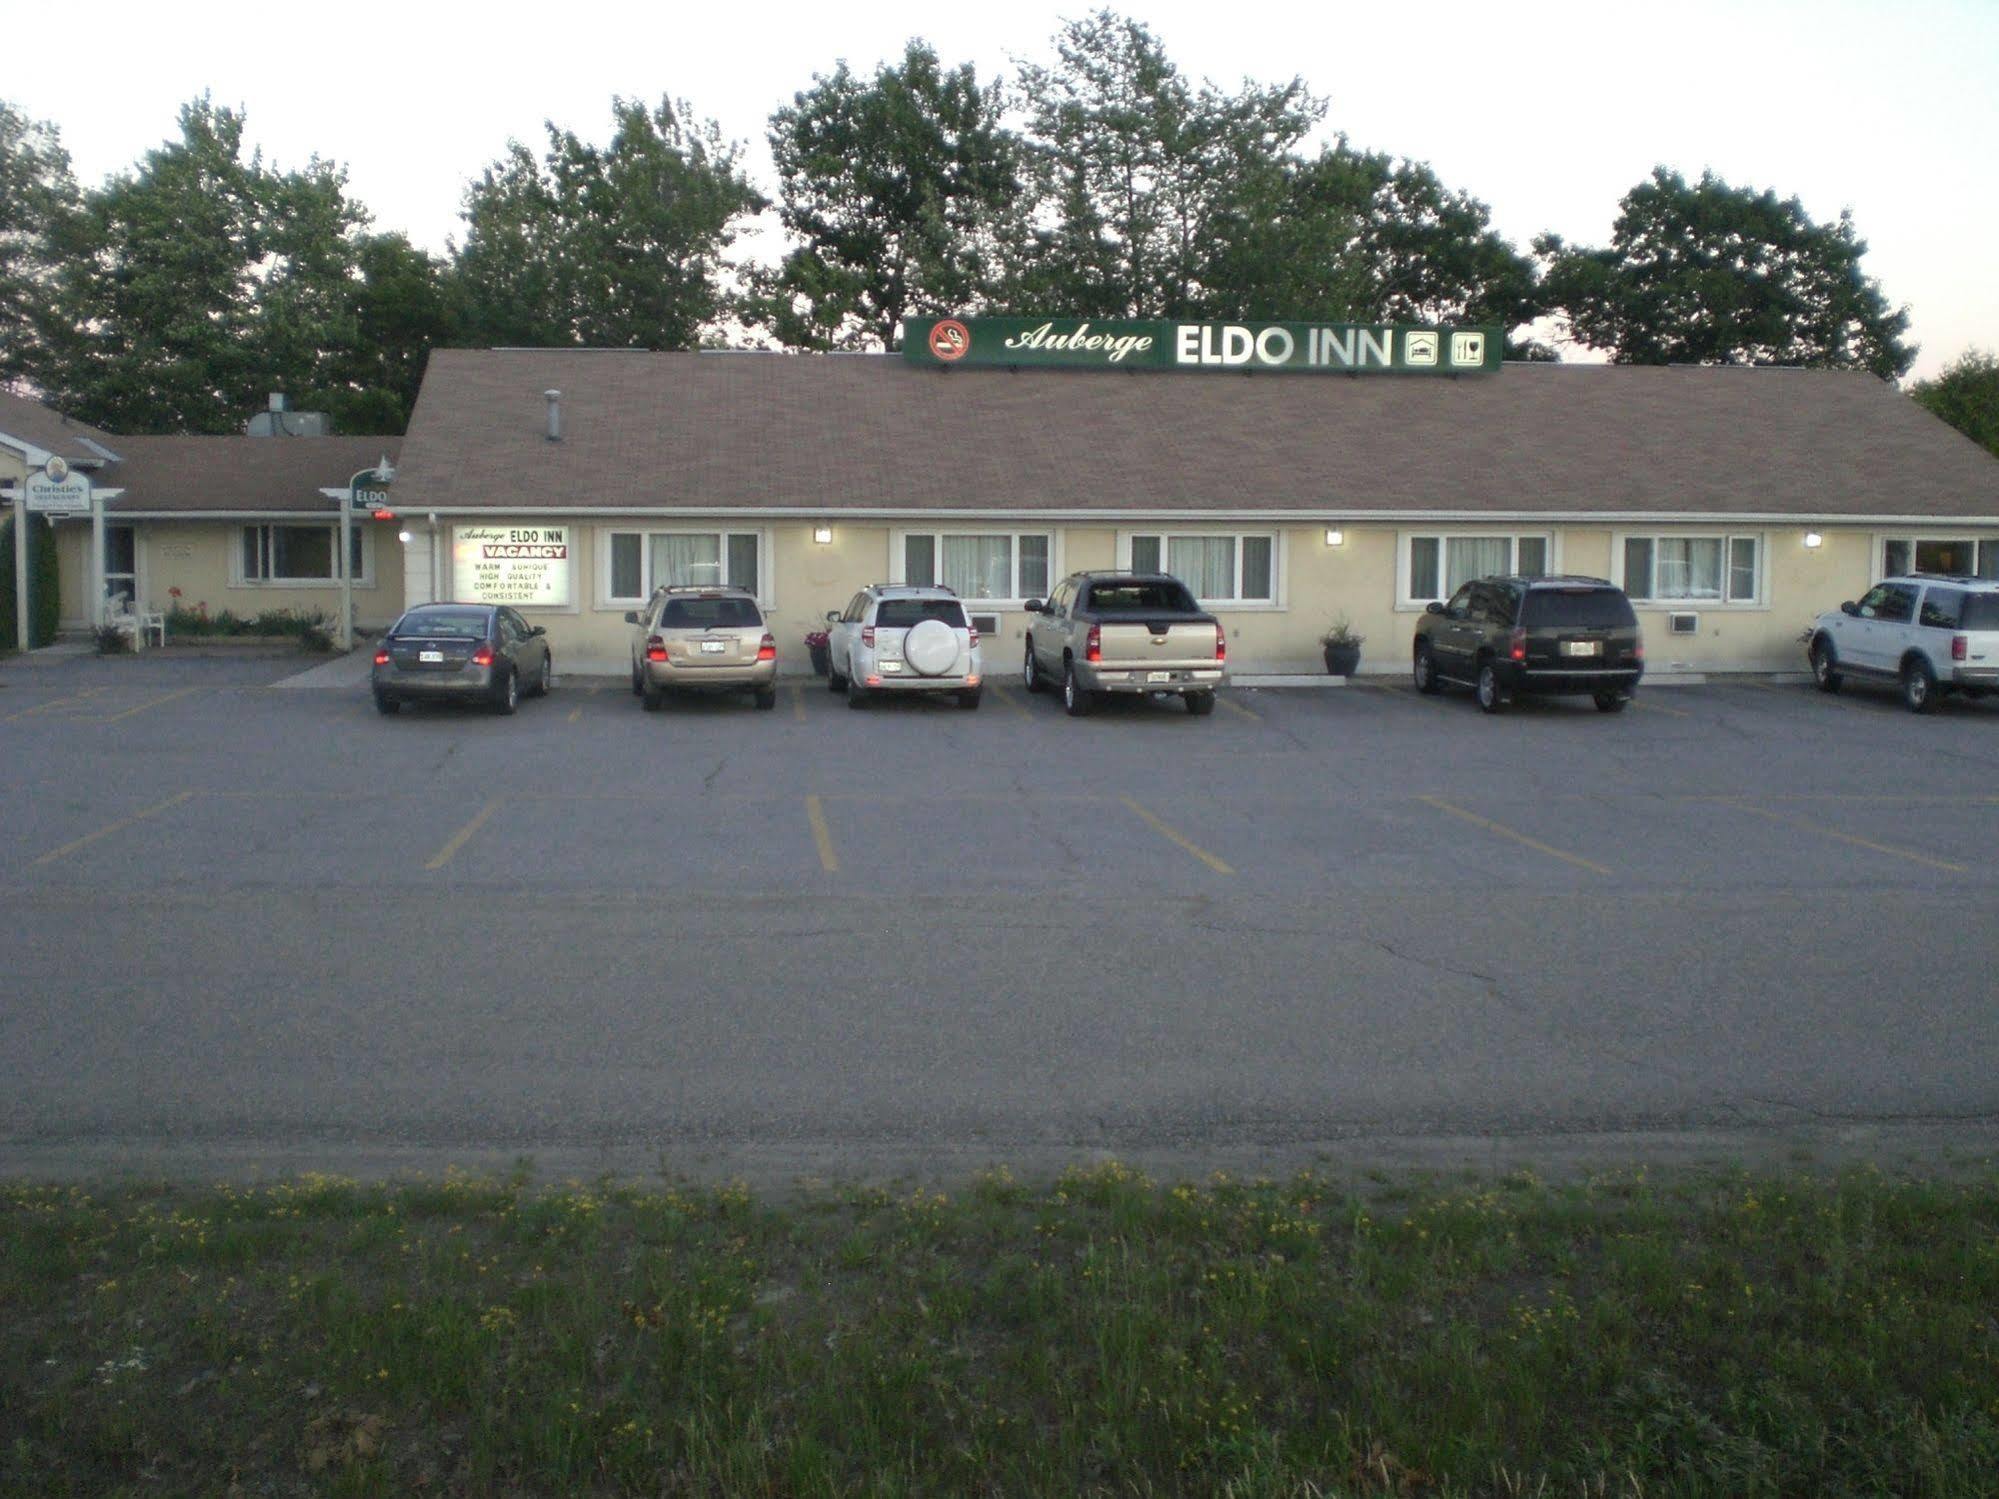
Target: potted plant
point(822, 658)
point(1342, 648)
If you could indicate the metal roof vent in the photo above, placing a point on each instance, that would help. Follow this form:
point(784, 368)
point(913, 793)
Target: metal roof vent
point(554, 399)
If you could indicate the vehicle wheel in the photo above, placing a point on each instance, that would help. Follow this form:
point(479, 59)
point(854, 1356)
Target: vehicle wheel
point(1425, 671)
point(969, 701)
point(1610, 702)
point(1200, 704)
point(834, 681)
point(547, 678)
point(1825, 666)
point(1030, 674)
point(652, 697)
point(1919, 685)
point(510, 693)
point(1077, 701)
point(638, 686)
point(857, 695)
point(767, 698)
point(1490, 698)
point(386, 704)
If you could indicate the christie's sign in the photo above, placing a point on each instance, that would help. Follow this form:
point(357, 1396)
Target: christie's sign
point(1315, 348)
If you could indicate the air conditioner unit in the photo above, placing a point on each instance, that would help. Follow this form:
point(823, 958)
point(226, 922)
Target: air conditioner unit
point(986, 624)
point(1683, 624)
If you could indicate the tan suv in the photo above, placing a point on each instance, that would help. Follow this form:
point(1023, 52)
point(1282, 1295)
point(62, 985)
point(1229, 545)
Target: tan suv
point(702, 639)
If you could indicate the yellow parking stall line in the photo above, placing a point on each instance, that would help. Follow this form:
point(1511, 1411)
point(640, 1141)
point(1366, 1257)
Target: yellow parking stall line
point(1171, 835)
point(1008, 701)
point(1238, 709)
point(156, 702)
point(1651, 707)
point(1518, 837)
point(798, 704)
point(822, 835)
point(55, 702)
point(576, 713)
point(463, 836)
point(1789, 819)
point(117, 827)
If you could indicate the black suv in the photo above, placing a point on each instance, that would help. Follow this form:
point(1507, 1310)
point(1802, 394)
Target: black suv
point(1569, 636)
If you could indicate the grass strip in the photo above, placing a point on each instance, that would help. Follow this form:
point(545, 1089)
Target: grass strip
point(1097, 1334)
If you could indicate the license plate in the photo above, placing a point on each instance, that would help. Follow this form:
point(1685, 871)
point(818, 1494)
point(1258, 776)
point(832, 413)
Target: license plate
point(713, 647)
point(891, 665)
point(430, 655)
point(1159, 676)
point(1582, 647)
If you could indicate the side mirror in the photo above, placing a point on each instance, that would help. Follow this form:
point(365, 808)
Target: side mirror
point(1035, 606)
point(1849, 607)
point(832, 616)
point(539, 630)
point(631, 616)
point(1435, 606)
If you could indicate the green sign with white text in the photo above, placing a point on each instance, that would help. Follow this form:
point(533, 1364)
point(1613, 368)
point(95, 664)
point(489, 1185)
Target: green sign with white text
point(1314, 348)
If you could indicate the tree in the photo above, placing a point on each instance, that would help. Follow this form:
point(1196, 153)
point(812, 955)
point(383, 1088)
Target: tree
point(1712, 274)
point(899, 190)
point(39, 203)
point(620, 246)
point(1966, 395)
point(1138, 175)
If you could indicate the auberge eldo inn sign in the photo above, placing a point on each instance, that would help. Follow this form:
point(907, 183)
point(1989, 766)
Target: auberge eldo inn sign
point(1306, 348)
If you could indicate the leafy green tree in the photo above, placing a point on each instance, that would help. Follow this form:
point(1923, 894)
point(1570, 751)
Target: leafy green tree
point(1966, 395)
point(44, 584)
point(1713, 274)
point(39, 203)
point(1138, 175)
point(403, 306)
point(899, 190)
point(615, 246)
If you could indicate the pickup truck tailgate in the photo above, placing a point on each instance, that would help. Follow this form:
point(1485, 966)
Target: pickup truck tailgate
point(1156, 643)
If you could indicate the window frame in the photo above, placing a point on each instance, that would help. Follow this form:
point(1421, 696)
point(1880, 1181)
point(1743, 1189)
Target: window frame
point(1980, 541)
point(1238, 604)
point(1407, 603)
point(362, 537)
point(1727, 538)
point(608, 599)
point(898, 559)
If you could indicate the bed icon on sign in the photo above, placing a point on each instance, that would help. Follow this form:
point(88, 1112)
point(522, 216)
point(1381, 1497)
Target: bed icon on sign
point(1419, 346)
point(1467, 349)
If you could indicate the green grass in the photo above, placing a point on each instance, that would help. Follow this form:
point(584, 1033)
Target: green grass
point(1737, 1335)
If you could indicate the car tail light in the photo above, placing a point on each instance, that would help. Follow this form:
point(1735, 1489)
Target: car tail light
point(655, 648)
point(868, 636)
point(1516, 644)
point(1221, 644)
point(972, 635)
point(381, 655)
point(1638, 649)
point(1959, 647)
point(483, 656)
point(767, 649)
point(1093, 648)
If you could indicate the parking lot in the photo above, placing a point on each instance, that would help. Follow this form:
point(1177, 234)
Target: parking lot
point(246, 918)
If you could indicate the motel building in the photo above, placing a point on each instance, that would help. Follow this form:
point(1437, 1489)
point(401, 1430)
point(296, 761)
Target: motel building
point(1290, 474)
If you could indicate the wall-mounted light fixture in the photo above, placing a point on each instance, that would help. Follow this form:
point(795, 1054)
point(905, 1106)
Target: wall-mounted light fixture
point(403, 537)
point(1813, 539)
point(823, 535)
point(1335, 537)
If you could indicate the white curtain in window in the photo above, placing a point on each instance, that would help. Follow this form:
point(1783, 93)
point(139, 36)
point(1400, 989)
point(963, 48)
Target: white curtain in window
point(686, 559)
point(1689, 567)
point(979, 567)
point(1468, 557)
point(1206, 564)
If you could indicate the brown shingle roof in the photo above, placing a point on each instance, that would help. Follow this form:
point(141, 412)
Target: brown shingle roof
point(237, 474)
point(774, 431)
point(30, 422)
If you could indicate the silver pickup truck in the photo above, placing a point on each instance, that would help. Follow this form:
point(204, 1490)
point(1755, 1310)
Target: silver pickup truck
point(1104, 632)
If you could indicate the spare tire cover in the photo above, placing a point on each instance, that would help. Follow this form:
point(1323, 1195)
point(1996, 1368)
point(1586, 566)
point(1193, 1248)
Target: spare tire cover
point(931, 647)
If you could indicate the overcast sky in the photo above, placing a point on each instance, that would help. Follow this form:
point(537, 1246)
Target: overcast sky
point(1547, 110)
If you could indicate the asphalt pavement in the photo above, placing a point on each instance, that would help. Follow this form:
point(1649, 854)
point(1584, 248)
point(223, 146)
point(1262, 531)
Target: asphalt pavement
point(246, 929)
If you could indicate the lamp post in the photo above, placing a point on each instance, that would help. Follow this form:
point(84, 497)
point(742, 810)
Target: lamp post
point(383, 472)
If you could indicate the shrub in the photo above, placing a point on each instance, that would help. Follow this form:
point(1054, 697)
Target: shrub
point(44, 583)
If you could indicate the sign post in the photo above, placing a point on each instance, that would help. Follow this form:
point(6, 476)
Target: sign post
point(385, 473)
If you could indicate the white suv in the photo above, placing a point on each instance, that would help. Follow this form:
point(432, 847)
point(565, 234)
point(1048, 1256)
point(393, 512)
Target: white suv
point(1930, 632)
point(896, 638)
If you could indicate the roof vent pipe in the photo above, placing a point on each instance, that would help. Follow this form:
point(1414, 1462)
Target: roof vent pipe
point(554, 399)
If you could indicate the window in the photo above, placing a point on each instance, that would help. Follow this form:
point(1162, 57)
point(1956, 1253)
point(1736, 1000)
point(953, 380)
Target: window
point(637, 562)
point(977, 565)
point(1222, 569)
point(1942, 608)
point(1962, 555)
point(1892, 602)
point(1437, 566)
point(1694, 569)
point(300, 554)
